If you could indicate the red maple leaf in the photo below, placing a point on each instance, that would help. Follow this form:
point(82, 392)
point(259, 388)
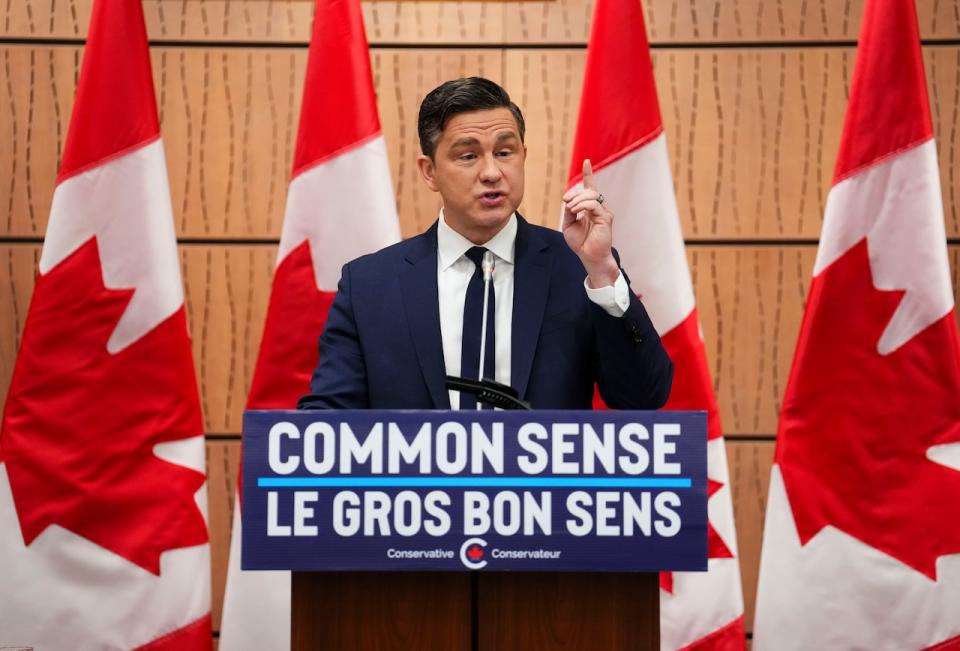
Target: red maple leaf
point(80, 423)
point(856, 425)
point(475, 553)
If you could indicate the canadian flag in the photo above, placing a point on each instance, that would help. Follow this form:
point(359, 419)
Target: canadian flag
point(620, 130)
point(102, 486)
point(340, 205)
point(861, 545)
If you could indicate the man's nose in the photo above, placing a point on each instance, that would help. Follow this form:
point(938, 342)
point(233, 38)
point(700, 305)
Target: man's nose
point(490, 172)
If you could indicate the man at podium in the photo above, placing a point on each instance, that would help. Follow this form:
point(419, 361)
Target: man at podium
point(483, 294)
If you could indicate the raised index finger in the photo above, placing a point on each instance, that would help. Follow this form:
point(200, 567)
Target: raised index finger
point(588, 175)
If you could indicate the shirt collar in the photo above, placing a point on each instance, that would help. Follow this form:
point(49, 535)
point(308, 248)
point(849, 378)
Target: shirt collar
point(451, 245)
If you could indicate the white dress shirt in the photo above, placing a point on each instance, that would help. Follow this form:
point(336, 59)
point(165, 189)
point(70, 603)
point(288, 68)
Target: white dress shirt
point(454, 270)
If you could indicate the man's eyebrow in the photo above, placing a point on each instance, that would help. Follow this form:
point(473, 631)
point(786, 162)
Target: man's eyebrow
point(469, 141)
point(465, 141)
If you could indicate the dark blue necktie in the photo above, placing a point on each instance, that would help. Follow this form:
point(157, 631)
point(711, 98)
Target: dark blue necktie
point(472, 319)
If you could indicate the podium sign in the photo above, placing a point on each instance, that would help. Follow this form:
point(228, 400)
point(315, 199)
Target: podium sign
point(475, 490)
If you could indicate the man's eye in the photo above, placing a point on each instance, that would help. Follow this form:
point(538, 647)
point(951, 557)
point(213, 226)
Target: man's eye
point(504, 152)
point(467, 156)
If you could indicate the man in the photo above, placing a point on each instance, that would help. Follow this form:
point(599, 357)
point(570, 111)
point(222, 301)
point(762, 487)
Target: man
point(560, 314)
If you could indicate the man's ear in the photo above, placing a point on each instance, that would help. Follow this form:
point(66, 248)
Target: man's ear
point(427, 171)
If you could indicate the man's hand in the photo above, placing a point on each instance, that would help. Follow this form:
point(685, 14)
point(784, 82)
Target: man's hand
point(588, 230)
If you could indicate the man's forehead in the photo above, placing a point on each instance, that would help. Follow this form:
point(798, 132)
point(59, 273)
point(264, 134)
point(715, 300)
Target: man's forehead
point(497, 122)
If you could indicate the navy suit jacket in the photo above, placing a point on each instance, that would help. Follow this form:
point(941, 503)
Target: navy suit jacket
point(381, 347)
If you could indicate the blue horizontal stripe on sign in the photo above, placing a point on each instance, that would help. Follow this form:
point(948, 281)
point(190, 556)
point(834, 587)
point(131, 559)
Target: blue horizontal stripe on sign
point(473, 482)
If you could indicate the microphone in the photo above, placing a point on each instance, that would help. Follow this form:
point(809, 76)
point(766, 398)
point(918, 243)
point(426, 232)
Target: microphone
point(488, 392)
point(486, 266)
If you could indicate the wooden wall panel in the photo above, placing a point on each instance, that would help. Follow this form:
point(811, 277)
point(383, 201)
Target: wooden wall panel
point(36, 96)
point(229, 120)
point(545, 84)
point(713, 21)
point(750, 301)
point(253, 20)
point(18, 263)
point(943, 82)
point(64, 19)
point(753, 136)
point(227, 289)
point(549, 21)
point(426, 22)
point(434, 21)
point(212, 20)
point(273, 21)
point(752, 133)
point(749, 463)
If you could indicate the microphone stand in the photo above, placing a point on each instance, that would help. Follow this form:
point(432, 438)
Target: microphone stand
point(487, 267)
point(487, 392)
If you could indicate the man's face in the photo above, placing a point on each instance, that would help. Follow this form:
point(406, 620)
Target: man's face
point(478, 170)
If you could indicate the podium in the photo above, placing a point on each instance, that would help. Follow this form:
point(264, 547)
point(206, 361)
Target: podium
point(523, 611)
point(475, 530)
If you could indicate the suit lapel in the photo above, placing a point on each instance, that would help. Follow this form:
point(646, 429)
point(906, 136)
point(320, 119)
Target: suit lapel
point(531, 284)
point(418, 283)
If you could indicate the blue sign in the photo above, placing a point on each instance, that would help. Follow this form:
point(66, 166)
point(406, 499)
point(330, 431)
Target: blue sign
point(478, 490)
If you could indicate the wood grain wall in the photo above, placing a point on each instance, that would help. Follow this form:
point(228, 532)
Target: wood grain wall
point(752, 93)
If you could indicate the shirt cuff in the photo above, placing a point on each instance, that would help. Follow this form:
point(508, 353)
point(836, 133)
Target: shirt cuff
point(614, 299)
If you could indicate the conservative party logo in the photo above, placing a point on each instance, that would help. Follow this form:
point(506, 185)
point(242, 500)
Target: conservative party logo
point(473, 553)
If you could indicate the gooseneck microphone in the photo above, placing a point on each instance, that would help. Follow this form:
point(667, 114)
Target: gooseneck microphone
point(486, 266)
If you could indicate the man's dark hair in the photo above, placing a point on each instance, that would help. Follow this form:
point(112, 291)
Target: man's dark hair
point(459, 96)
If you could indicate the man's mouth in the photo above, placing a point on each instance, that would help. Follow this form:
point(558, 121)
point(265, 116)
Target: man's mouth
point(492, 198)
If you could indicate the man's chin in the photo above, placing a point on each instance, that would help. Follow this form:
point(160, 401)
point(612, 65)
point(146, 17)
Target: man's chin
point(494, 221)
point(479, 231)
